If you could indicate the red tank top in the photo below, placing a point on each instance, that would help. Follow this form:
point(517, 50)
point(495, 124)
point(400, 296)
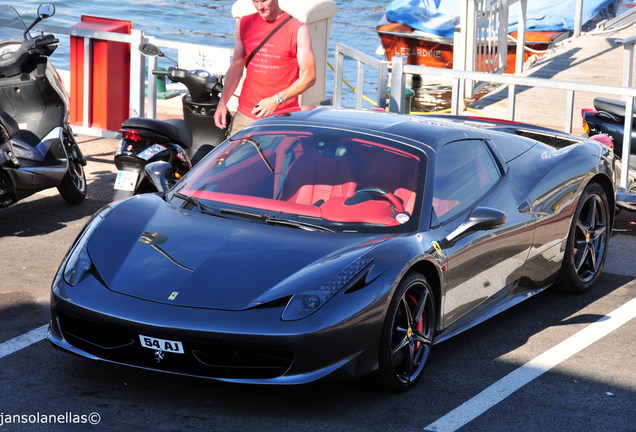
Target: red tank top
point(274, 67)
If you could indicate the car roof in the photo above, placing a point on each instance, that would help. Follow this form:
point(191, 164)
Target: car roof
point(418, 130)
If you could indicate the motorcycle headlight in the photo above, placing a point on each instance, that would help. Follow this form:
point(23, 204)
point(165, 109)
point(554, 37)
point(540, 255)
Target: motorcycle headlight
point(78, 261)
point(303, 304)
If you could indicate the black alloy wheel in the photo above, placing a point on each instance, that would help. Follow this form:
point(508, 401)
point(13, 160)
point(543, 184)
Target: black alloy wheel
point(407, 335)
point(587, 242)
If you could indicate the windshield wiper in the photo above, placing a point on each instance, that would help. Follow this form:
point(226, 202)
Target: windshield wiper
point(257, 146)
point(198, 204)
point(224, 212)
point(243, 213)
point(297, 224)
point(276, 221)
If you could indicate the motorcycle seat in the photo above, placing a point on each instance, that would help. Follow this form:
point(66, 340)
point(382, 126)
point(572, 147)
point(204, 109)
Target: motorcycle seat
point(175, 129)
point(612, 106)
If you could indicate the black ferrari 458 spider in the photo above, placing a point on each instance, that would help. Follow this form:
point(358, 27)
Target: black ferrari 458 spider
point(332, 241)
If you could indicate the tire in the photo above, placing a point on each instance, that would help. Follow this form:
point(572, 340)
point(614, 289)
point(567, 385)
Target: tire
point(586, 247)
point(73, 185)
point(407, 336)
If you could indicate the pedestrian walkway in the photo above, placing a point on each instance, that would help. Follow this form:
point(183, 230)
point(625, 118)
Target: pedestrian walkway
point(591, 58)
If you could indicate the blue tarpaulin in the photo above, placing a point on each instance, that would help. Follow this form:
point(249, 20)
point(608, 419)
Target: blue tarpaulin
point(440, 17)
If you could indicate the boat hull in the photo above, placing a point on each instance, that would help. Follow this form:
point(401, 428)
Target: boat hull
point(423, 50)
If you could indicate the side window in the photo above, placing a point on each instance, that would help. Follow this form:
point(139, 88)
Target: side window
point(465, 171)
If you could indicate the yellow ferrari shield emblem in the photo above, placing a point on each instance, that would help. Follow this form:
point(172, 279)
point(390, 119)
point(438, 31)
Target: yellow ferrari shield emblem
point(173, 295)
point(438, 250)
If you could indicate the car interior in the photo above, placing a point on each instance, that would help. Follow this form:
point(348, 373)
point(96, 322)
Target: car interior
point(349, 179)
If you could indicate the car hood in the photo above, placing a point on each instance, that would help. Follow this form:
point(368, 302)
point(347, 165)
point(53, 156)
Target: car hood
point(148, 249)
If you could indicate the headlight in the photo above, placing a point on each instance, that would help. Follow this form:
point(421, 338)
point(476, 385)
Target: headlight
point(303, 304)
point(79, 262)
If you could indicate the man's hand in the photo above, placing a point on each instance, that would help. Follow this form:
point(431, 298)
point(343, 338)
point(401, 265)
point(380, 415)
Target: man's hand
point(220, 116)
point(265, 107)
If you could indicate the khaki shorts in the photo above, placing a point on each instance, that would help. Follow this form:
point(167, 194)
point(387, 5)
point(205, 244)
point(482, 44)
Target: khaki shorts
point(239, 121)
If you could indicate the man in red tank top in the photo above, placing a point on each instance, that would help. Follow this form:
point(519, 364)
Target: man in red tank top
point(281, 70)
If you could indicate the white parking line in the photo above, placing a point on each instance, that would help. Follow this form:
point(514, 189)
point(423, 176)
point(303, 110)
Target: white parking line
point(512, 382)
point(23, 341)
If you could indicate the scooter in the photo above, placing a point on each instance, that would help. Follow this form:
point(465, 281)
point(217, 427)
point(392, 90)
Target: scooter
point(608, 119)
point(37, 147)
point(180, 142)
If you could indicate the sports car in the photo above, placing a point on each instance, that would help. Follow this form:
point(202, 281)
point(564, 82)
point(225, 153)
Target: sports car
point(335, 242)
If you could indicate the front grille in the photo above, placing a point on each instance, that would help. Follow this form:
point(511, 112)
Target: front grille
point(202, 358)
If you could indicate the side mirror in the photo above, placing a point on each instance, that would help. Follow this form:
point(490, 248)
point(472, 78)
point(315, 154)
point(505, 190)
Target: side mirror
point(480, 219)
point(158, 173)
point(150, 50)
point(46, 10)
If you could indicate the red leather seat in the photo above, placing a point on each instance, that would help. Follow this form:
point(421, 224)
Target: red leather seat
point(314, 178)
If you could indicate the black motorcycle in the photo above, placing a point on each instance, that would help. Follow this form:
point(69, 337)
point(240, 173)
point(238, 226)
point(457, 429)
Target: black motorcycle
point(180, 142)
point(607, 119)
point(37, 147)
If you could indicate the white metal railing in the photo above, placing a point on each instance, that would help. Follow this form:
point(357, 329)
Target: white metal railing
point(480, 41)
point(626, 92)
point(400, 70)
point(628, 80)
point(491, 39)
point(363, 60)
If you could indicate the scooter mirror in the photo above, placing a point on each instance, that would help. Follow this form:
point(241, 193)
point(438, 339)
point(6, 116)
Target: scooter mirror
point(46, 10)
point(150, 50)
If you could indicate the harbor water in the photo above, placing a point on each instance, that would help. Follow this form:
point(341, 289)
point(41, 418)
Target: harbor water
point(210, 22)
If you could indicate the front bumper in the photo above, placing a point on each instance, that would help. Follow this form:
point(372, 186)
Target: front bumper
point(252, 346)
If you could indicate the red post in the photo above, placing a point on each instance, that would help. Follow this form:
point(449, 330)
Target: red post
point(109, 78)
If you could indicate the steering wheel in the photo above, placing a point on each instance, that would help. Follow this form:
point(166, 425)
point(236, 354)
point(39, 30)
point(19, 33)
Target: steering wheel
point(382, 194)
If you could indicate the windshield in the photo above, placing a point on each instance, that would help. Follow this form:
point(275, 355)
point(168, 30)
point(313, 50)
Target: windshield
point(11, 25)
point(333, 179)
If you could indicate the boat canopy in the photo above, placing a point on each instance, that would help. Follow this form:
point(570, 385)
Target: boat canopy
point(441, 17)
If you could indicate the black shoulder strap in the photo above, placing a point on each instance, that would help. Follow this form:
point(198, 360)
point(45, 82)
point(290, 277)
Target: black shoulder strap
point(249, 59)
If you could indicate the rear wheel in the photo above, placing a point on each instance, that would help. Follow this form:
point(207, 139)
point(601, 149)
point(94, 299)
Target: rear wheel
point(407, 335)
point(586, 246)
point(73, 185)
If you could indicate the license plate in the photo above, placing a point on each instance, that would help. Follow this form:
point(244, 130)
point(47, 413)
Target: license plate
point(164, 345)
point(126, 180)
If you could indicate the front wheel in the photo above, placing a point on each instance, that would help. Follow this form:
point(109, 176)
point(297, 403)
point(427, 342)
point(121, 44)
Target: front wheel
point(73, 185)
point(407, 335)
point(586, 246)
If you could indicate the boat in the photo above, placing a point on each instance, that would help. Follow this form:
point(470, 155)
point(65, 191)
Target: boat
point(422, 30)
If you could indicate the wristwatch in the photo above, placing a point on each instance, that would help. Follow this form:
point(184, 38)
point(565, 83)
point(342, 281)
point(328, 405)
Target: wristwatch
point(279, 99)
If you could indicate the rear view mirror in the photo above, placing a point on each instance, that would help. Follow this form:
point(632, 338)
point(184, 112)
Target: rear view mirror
point(150, 50)
point(46, 10)
point(158, 173)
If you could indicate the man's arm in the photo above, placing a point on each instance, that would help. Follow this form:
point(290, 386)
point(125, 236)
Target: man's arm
point(232, 79)
point(306, 78)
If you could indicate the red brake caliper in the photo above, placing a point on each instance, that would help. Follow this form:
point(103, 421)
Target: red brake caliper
point(420, 323)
